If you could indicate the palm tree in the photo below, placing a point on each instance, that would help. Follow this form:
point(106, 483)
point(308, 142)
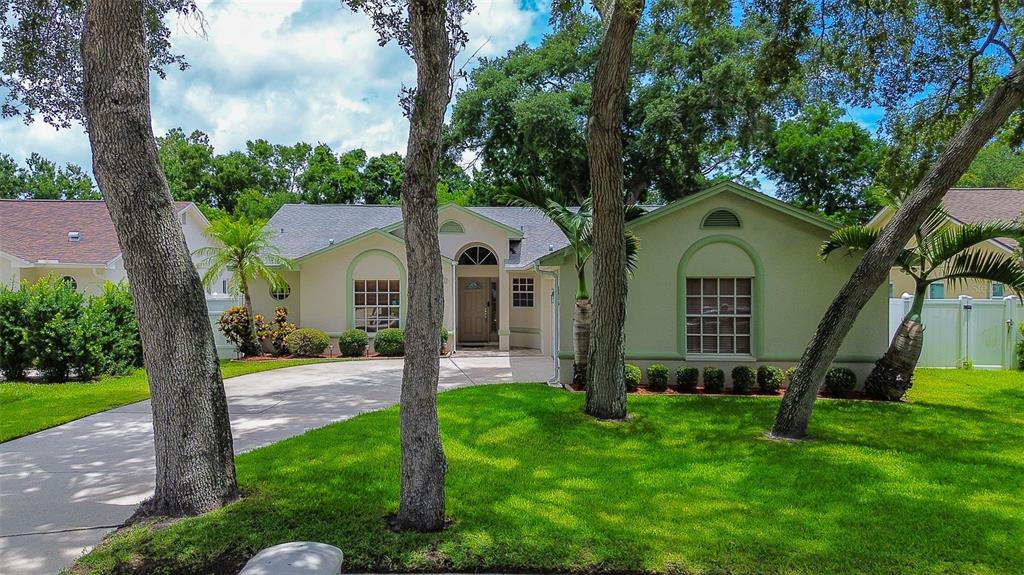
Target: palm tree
point(941, 252)
point(575, 224)
point(244, 249)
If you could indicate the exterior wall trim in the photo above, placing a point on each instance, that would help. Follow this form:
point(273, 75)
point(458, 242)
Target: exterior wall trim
point(403, 286)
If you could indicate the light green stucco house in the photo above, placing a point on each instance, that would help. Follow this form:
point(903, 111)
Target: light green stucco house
point(726, 277)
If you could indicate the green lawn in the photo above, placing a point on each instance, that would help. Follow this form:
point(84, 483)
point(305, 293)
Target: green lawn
point(30, 407)
point(688, 485)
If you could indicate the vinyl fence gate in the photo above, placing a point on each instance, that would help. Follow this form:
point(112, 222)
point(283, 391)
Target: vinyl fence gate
point(216, 305)
point(979, 332)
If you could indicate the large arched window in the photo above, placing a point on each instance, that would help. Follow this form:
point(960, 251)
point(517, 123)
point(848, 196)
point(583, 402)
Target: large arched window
point(477, 256)
point(719, 304)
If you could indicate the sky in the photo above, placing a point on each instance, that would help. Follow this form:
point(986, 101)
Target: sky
point(287, 71)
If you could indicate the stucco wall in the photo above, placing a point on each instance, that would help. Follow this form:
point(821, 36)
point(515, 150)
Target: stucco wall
point(89, 280)
point(10, 276)
point(792, 288)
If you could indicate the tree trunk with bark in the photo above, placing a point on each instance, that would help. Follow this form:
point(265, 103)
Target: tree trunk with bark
point(795, 412)
point(580, 342)
point(893, 374)
point(252, 347)
point(606, 386)
point(422, 505)
point(195, 469)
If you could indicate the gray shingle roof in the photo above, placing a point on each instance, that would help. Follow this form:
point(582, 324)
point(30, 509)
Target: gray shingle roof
point(976, 205)
point(305, 228)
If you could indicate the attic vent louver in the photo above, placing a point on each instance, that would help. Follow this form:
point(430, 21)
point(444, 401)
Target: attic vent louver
point(721, 219)
point(74, 236)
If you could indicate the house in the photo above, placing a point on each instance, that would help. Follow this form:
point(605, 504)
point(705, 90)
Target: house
point(725, 277)
point(74, 239)
point(966, 205)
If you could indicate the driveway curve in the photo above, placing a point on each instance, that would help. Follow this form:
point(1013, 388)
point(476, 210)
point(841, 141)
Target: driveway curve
point(63, 489)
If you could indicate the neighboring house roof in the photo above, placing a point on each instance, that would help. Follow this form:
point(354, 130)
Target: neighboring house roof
point(303, 229)
point(37, 231)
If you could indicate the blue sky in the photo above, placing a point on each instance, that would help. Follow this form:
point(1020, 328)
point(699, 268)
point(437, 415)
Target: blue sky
point(287, 71)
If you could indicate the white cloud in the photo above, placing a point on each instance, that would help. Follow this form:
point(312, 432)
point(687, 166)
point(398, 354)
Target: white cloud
point(286, 71)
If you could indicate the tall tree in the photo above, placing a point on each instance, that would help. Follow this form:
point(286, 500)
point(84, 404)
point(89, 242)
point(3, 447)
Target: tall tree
point(11, 183)
point(187, 162)
point(826, 165)
point(103, 80)
point(382, 179)
point(606, 386)
point(955, 62)
point(998, 165)
point(431, 32)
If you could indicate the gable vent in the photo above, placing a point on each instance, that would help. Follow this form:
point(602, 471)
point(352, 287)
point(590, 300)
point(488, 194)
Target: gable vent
point(74, 236)
point(721, 219)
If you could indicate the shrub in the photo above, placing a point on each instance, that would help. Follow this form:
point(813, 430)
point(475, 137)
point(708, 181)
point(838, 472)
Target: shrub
point(714, 380)
point(111, 316)
point(307, 342)
point(353, 343)
point(389, 342)
point(657, 377)
point(686, 378)
point(234, 324)
point(1020, 348)
point(769, 378)
point(14, 356)
point(789, 374)
point(840, 380)
point(276, 332)
point(59, 340)
point(743, 379)
point(444, 338)
point(633, 375)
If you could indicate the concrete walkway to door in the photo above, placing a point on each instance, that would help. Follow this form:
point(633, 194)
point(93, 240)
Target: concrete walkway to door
point(63, 489)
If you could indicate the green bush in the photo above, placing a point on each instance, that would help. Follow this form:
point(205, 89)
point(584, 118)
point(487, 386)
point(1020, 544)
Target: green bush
point(789, 374)
point(444, 338)
point(743, 378)
point(353, 343)
point(307, 342)
point(276, 332)
point(389, 342)
point(686, 378)
point(1020, 348)
point(234, 324)
point(769, 378)
point(14, 354)
point(633, 376)
point(714, 380)
point(111, 317)
point(657, 377)
point(840, 380)
point(58, 339)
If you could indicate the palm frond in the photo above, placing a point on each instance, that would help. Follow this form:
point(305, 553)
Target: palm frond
point(984, 265)
point(850, 238)
point(953, 240)
point(632, 252)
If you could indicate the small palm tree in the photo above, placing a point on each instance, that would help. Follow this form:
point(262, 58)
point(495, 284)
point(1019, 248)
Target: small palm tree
point(244, 249)
point(576, 224)
point(941, 252)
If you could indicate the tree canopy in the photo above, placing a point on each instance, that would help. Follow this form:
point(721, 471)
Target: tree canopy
point(42, 179)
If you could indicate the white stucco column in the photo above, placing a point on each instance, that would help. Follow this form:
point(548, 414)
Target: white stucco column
point(504, 306)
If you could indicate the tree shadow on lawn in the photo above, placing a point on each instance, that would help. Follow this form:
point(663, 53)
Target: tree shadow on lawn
point(685, 485)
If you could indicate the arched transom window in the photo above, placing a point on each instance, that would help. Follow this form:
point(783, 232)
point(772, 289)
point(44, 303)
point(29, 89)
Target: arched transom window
point(477, 256)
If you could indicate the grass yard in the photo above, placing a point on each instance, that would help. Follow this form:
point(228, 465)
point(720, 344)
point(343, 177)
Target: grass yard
point(30, 407)
point(688, 485)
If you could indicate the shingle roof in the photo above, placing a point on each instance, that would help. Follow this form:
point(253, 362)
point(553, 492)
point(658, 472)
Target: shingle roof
point(304, 228)
point(975, 205)
point(35, 230)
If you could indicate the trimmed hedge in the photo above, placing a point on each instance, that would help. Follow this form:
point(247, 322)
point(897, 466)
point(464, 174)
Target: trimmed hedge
point(769, 378)
point(389, 342)
point(307, 342)
point(633, 376)
point(686, 378)
point(14, 352)
point(657, 377)
point(840, 380)
point(714, 380)
point(743, 379)
point(353, 343)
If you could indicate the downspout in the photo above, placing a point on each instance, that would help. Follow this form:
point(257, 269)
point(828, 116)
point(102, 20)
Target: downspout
point(556, 380)
point(455, 308)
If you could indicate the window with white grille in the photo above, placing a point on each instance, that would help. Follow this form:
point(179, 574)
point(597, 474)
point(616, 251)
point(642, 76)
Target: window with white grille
point(718, 315)
point(377, 304)
point(522, 292)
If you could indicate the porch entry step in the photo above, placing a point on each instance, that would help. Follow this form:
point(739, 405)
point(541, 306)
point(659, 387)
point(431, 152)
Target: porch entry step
point(296, 558)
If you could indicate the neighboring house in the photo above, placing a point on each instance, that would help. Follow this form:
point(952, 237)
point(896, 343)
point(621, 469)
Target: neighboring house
point(726, 277)
point(972, 206)
point(73, 239)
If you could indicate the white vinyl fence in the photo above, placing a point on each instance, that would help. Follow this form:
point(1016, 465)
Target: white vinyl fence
point(983, 332)
point(216, 305)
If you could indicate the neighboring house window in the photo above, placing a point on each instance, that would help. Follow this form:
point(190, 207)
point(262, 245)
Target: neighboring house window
point(377, 304)
point(281, 292)
point(224, 287)
point(998, 290)
point(892, 289)
point(937, 290)
point(522, 292)
point(477, 256)
point(72, 282)
point(718, 315)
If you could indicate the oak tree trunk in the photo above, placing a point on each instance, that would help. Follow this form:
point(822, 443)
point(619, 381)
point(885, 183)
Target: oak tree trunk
point(580, 342)
point(195, 468)
point(795, 412)
point(606, 386)
point(422, 505)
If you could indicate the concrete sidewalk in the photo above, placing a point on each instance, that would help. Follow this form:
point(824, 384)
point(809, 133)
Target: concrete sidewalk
point(63, 489)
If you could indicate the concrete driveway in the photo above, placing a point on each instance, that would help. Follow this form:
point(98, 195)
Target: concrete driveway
point(63, 489)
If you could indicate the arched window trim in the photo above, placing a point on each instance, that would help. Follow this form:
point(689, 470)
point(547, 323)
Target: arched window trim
point(477, 255)
point(721, 224)
point(281, 292)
